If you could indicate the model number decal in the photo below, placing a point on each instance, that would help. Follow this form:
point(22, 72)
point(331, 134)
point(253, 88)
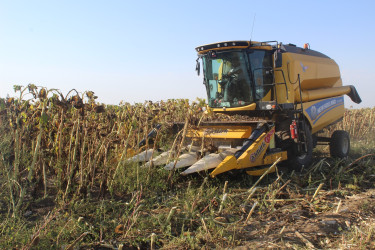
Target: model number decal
point(216, 131)
point(266, 140)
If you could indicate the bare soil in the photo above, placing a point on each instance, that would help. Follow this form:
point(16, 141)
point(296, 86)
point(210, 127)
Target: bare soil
point(304, 225)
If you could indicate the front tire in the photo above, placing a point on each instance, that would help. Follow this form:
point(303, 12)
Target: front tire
point(303, 157)
point(297, 158)
point(339, 146)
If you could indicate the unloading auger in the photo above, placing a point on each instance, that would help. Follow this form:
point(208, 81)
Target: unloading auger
point(291, 94)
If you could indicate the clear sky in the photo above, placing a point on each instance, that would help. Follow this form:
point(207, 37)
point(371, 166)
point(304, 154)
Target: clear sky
point(144, 50)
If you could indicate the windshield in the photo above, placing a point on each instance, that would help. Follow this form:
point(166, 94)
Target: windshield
point(237, 78)
point(227, 79)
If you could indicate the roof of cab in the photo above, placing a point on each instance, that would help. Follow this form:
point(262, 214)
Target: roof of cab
point(230, 45)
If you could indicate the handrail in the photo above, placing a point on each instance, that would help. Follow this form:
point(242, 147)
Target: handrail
point(286, 86)
point(273, 84)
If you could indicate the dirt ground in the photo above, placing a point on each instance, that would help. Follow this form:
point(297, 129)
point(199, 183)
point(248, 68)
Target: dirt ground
point(314, 225)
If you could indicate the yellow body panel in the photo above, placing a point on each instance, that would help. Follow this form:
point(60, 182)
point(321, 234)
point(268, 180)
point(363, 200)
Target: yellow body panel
point(244, 108)
point(221, 132)
point(315, 72)
point(321, 87)
point(252, 157)
point(322, 113)
point(271, 158)
point(319, 78)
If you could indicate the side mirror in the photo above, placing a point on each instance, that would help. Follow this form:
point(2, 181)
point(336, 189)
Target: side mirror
point(198, 67)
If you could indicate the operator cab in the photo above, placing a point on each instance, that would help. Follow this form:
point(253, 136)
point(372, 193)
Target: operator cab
point(236, 74)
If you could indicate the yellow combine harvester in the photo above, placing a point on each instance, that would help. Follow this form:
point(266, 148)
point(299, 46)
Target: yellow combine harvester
point(290, 93)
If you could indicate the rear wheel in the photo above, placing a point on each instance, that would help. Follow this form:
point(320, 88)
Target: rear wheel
point(339, 146)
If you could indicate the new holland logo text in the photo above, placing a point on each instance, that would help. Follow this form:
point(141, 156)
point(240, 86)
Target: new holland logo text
point(317, 110)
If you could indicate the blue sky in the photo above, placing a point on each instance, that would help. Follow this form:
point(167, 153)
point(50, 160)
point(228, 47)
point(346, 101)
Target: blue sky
point(144, 50)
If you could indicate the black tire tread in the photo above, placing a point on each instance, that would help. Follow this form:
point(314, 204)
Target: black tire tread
point(294, 161)
point(335, 146)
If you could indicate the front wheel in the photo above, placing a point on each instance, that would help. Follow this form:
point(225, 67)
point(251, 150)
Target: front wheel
point(339, 146)
point(300, 156)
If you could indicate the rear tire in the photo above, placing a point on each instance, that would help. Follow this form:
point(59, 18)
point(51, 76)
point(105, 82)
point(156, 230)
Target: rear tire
point(339, 146)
